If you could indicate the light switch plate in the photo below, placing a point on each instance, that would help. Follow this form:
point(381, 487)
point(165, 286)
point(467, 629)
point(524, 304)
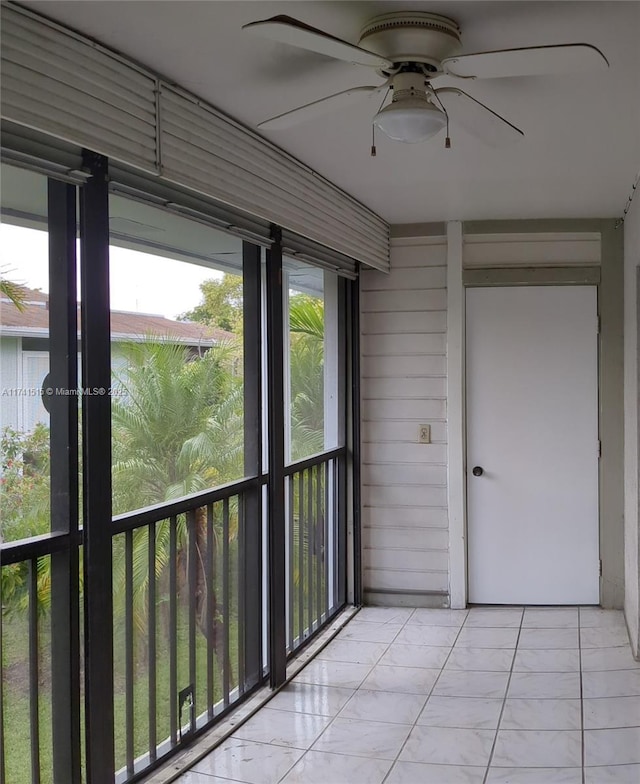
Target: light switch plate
point(424, 434)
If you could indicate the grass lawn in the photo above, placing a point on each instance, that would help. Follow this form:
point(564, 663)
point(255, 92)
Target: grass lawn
point(16, 703)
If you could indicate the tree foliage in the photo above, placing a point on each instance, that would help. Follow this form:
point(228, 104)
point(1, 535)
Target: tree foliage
point(24, 506)
point(306, 316)
point(24, 482)
point(178, 429)
point(306, 371)
point(14, 292)
point(222, 304)
point(222, 307)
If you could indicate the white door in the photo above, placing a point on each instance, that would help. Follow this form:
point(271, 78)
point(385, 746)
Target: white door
point(532, 436)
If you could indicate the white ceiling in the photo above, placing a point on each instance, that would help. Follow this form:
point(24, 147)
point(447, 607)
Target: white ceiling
point(581, 149)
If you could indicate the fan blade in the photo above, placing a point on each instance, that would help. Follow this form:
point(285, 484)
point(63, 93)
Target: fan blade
point(286, 30)
point(529, 61)
point(477, 119)
point(316, 108)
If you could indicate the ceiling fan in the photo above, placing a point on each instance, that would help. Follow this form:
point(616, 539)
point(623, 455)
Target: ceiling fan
point(409, 51)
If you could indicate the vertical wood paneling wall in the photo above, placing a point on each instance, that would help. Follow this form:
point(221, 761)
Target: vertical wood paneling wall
point(403, 385)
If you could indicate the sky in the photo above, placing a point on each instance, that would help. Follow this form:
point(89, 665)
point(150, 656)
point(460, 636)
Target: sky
point(140, 282)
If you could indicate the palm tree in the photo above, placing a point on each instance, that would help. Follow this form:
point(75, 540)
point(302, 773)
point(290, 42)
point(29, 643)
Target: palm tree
point(178, 427)
point(177, 430)
point(306, 368)
point(14, 292)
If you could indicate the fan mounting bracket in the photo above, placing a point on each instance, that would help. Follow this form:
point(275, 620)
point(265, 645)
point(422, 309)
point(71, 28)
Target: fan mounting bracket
point(412, 38)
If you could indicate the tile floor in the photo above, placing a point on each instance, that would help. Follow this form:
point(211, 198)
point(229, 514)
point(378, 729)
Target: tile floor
point(486, 696)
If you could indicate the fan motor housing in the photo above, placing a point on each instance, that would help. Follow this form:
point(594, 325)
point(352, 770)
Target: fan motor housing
point(412, 38)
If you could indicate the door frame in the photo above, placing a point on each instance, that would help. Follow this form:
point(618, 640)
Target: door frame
point(608, 278)
point(497, 531)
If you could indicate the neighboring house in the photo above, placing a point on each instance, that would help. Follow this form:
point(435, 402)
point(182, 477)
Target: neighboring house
point(24, 351)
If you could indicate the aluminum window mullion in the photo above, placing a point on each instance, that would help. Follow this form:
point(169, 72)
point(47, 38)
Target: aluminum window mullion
point(276, 495)
point(341, 474)
point(96, 418)
point(65, 642)
point(352, 412)
point(250, 520)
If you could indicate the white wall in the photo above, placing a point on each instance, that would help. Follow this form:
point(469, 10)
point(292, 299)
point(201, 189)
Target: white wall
point(407, 500)
point(532, 249)
point(403, 340)
point(10, 377)
point(631, 544)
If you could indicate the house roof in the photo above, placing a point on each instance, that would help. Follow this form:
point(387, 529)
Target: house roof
point(33, 321)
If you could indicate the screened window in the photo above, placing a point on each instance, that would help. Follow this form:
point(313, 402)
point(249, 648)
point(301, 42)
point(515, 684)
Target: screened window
point(311, 360)
point(176, 356)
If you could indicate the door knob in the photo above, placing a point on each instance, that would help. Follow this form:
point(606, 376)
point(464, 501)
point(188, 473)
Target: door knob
point(478, 471)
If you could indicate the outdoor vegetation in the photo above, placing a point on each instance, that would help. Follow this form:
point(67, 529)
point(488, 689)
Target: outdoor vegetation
point(177, 429)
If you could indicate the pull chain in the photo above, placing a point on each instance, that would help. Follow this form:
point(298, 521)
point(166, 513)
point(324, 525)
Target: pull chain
point(373, 127)
point(634, 188)
point(447, 141)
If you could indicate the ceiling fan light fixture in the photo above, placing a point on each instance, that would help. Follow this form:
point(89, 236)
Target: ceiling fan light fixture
point(410, 120)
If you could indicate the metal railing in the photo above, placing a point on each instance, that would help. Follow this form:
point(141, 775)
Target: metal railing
point(179, 621)
point(179, 625)
point(28, 643)
point(313, 488)
point(189, 619)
